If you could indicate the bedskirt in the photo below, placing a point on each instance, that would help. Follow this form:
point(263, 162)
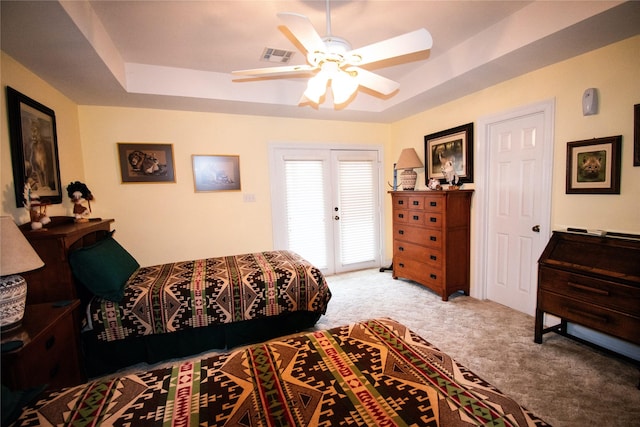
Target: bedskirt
point(375, 372)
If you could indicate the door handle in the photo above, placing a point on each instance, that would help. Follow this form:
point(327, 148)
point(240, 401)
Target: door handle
point(535, 228)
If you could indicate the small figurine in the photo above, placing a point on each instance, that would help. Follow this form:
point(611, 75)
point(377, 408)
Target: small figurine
point(449, 172)
point(37, 209)
point(79, 194)
point(434, 184)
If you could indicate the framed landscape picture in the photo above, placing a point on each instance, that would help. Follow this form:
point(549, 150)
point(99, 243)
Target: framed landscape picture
point(593, 166)
point(216, 172)
point(146, 162)
point(34, 148)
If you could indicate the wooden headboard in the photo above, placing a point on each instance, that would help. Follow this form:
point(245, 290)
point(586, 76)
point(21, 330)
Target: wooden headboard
point(54, 281)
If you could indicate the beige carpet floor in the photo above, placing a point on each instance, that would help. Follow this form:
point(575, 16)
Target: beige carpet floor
point(564, 382)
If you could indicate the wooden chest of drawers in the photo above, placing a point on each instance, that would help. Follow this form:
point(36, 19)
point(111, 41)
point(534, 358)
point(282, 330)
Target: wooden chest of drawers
point(431, 239)
point(592, 281)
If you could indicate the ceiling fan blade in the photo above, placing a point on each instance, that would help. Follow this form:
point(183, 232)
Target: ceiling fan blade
point(405, 44)
point(374, 81)
point(303, 30)
point(288, 69)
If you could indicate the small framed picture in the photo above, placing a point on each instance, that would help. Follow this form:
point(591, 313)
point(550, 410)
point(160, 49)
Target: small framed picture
point(216, 172)
point(453, 147)
point(34, 148)
point(146, 162)
point(593, 166)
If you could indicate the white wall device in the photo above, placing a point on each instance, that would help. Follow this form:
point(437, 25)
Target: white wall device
point(590, 102)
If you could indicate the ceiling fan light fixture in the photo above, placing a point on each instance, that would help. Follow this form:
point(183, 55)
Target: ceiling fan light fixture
point(343, 86)
point(316, 87)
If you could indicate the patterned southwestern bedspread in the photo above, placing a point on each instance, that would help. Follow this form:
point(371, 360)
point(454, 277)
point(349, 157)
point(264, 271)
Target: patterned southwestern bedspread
point(376, 372)
point(191, 294)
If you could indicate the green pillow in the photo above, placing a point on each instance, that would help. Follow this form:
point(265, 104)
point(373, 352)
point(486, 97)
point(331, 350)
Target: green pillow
point(103, 268)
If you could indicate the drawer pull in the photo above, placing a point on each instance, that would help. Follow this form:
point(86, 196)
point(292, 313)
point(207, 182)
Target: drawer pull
point(400, 231)
point(416, 217)
point(416, 203)
point(433, 276)
point(433, 219)
point(50, 342)
point(432, 238)
point(433, 257)
point(401, 248)
point(588, 289)
point(401, 202)
point(433, 204)
point(599, 318)
point(400, 215)
point(401, 265)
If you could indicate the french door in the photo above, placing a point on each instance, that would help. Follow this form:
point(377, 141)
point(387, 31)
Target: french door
point(326, 206)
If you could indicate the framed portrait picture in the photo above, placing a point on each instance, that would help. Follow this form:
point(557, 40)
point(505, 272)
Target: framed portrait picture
point(453, 145)
point(593, 166)
point(34, 148)
point(146, 162)
point(216, 172)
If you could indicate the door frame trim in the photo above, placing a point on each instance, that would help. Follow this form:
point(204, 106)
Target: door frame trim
point(481, 168)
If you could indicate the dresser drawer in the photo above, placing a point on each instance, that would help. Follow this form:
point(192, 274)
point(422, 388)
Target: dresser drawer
point(421, 272)
point(422, 236)
point(434, 203)
point(611, 295)
point(427, 255)
point(592, 316)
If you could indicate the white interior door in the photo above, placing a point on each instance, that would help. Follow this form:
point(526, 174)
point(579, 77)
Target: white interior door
point(326, 206)
point(517, 208)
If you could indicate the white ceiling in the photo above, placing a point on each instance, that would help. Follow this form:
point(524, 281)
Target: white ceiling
point(179, 54)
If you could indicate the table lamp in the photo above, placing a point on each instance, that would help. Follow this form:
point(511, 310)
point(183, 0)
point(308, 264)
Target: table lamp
point(16, 256)
point(408, 161)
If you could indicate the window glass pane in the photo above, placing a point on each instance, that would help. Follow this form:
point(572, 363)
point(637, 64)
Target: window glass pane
point(305, 210)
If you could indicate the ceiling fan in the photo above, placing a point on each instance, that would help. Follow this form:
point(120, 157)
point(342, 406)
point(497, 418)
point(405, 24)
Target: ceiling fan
point(331, 59)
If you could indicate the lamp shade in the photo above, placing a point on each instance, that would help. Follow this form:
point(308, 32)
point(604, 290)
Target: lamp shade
point(409, 159)
point(17, 255)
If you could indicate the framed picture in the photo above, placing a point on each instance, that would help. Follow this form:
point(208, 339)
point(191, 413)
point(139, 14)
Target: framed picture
point(34, 148)
point(593, 166)
point(453, 145)
point(636, 135)
point(146, 162)
point(216, 172)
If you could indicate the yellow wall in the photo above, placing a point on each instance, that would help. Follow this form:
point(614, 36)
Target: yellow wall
point(615, 72)
point(166, 222)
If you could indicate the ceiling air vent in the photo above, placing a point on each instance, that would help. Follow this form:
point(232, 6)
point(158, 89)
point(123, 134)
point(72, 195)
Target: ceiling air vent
point(280, 56)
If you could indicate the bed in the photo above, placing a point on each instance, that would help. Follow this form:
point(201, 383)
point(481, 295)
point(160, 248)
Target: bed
point(148, 314)
point(375, 372)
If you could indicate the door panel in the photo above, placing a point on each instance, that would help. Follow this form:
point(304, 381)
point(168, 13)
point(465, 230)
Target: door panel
point(326, 206)
point(516, 154)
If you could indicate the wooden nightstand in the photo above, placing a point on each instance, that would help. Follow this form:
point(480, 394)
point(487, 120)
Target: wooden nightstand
point(50, 350)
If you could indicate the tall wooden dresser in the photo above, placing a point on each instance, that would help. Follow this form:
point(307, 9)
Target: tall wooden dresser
point(431, 233)
point(590, 280)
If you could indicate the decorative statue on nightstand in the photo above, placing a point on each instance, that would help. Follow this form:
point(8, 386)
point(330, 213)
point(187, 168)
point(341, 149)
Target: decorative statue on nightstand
point(79, 194)
point(434, 184)
point(449, 172)
point(37, 209)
